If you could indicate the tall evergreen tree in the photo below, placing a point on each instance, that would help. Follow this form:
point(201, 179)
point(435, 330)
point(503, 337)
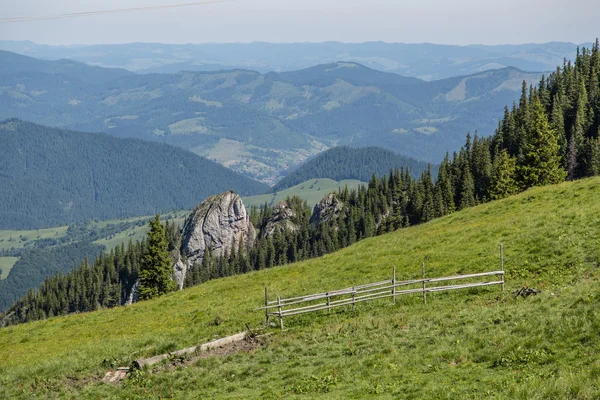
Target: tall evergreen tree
point(541, 161)
point(156, 269)
point(504, 176)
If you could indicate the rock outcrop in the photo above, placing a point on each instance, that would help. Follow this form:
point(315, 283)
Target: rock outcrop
point(281, 221)
point(329, 208)
point(179, 273)
point(219, 223)
point(134, 294)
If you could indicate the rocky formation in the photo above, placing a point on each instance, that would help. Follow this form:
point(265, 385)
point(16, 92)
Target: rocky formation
point(219, 223)
point(134, 294)
point(281, 221)
point(179, 273)
point(329, 208)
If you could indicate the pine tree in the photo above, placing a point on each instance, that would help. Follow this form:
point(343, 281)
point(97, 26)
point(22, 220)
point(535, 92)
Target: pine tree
point(504, 181)
point(156, 269)
point(541, 161)
point(467, 190)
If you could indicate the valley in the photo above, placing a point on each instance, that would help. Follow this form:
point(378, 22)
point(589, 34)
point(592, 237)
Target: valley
point(263, 124)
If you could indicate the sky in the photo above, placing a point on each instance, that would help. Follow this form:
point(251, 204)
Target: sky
point(458, 22)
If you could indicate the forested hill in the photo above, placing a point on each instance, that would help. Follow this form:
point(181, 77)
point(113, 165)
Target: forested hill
point(52, 177)
point(344, 162)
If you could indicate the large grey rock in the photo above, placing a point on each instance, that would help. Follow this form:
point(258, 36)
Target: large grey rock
point(219, 223)
point(328, 209)
point(281, 221)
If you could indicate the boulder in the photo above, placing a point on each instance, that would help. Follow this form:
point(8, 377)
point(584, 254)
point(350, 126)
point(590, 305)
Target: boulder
point(328, 209)
point(281, 221)
point(219, 223)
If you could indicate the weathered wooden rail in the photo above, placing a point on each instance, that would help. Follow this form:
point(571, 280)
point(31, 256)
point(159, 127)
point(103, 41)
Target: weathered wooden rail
point(373, 291)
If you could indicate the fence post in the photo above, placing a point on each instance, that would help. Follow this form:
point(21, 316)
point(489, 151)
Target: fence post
point(328, 303)
point(266, 306)
point(394, 285)
point(353, 293)
point(423, 274)
point(502, 265)
point(279, 308)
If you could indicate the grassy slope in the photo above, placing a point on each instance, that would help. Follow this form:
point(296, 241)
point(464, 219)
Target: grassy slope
point(10, 238)
point(460, 345)
point(137, 232)
point(310, 191)
point(6, 264)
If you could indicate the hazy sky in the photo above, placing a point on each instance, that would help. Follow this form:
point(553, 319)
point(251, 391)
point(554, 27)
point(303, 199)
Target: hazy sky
point(411, 21)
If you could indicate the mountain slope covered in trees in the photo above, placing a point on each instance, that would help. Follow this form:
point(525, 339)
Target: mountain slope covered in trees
point(262, 124)
point(35, 265)
point(343, 162)
point(53, 177)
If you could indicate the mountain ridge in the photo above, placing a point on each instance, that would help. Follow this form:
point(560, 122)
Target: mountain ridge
point(428, 61)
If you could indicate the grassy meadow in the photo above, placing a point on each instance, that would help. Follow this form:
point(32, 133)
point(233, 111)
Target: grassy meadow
point(6, 264)
point(18, 238)
point(476, 343)
point(312, 191)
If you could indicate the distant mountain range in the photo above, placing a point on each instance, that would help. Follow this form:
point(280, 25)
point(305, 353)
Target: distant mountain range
point(426, 61)
point(262, 124)
point(52, 177)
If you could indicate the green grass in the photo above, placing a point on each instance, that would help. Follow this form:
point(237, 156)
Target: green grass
point(470, 344)
point(138, 232)
point(6, 264)
point(18, 238)
point(312, 191)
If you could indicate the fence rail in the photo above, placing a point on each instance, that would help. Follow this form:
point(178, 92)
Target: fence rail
point(373, 291)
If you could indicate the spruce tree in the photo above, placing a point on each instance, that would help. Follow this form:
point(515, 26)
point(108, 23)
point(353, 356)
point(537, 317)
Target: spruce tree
point(156, 268)
point(467, 190)
point(504, 181)
point(541, 160)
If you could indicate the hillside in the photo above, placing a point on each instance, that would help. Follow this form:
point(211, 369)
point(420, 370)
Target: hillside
point(474, 343)
point(343, 162)
point(422, 60)
point(55, 177)
point(312, 190)
point(263, 124)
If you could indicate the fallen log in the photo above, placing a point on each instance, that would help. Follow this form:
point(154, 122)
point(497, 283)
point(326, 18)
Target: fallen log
point(140, 363)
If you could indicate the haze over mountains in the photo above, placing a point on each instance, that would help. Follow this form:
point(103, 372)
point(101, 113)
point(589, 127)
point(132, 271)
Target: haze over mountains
point(426, 61)
point(261, 124)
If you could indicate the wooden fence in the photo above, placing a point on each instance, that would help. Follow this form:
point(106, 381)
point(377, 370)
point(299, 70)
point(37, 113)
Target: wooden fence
point(373, 291)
